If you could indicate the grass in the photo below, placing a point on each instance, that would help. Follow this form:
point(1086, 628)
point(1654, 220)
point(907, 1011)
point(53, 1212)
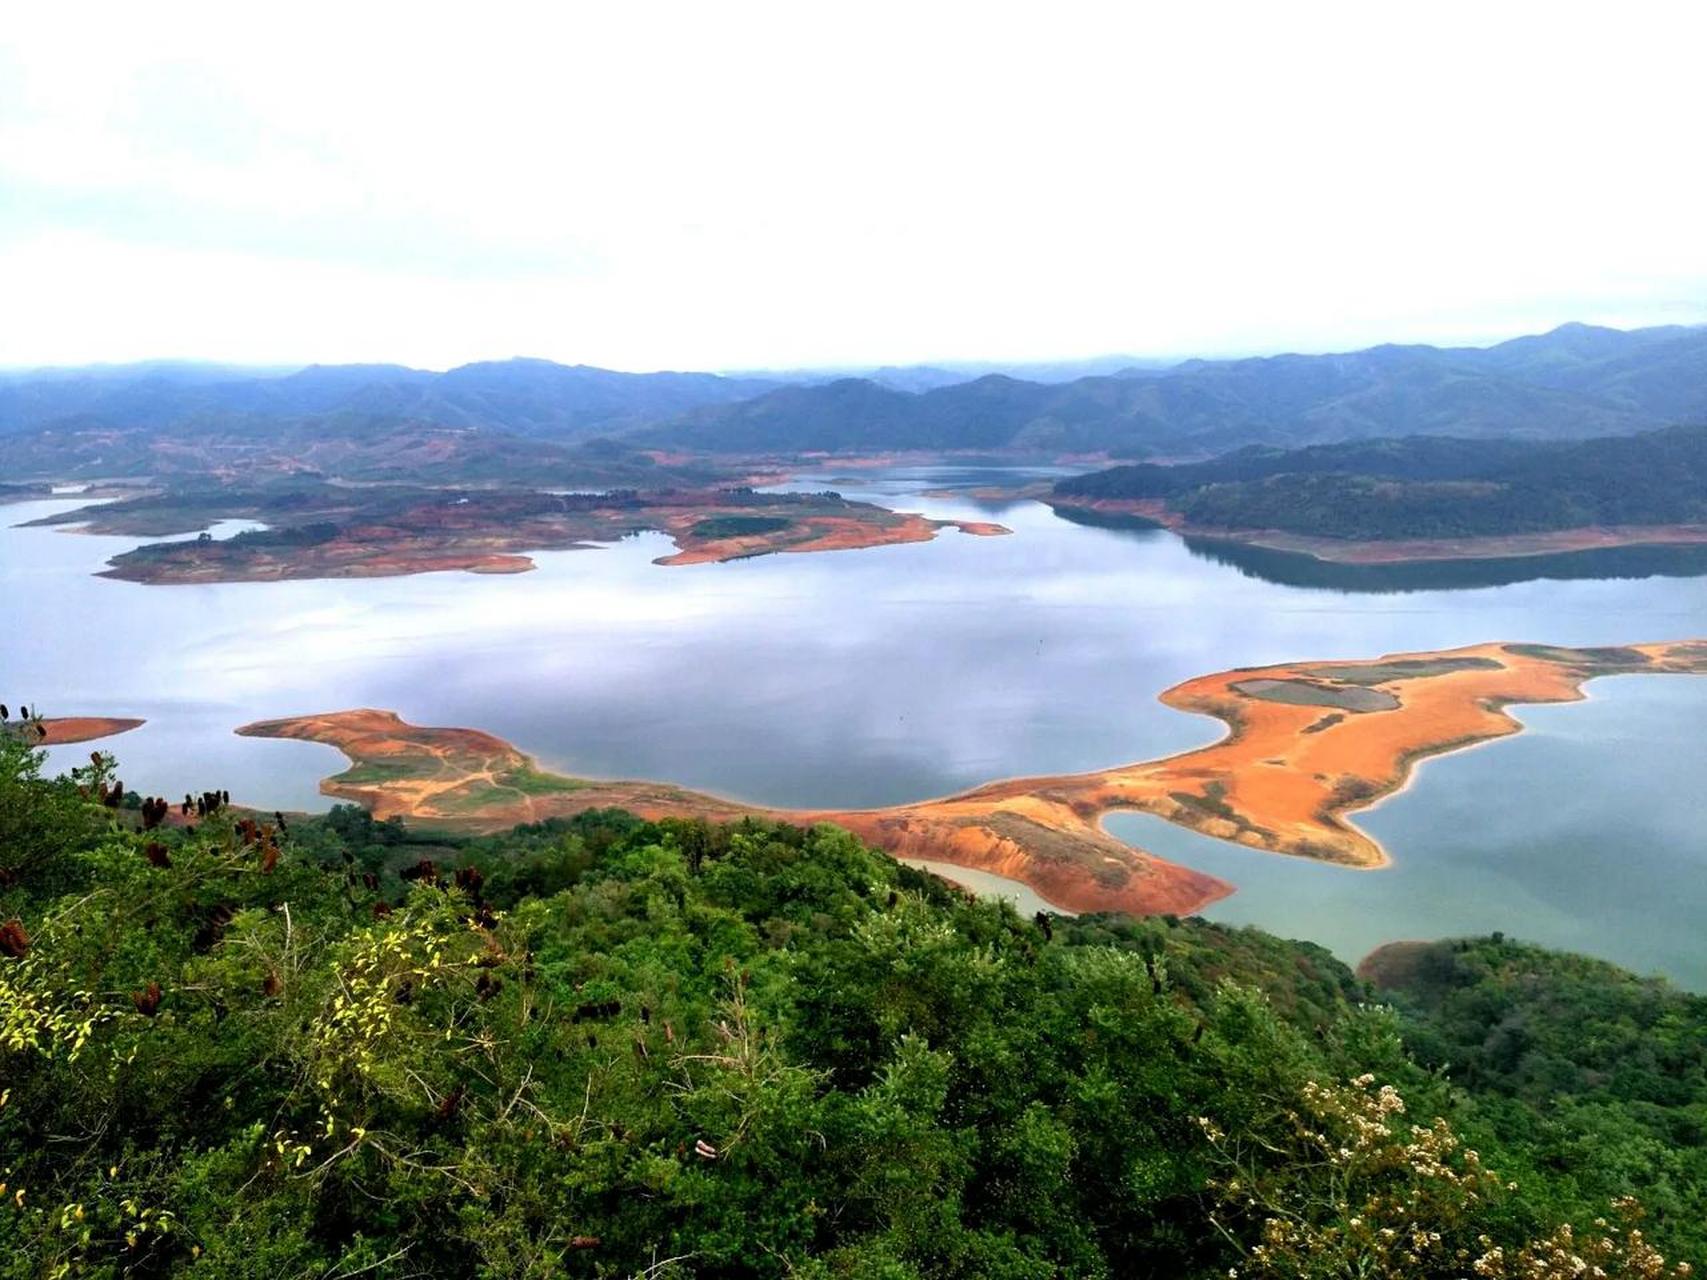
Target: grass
point(470, 798)
point(738, 526)
point(370, 772)
point(1403, 669)
point(1304, 693)
point(530, 781)
point(1613, 657)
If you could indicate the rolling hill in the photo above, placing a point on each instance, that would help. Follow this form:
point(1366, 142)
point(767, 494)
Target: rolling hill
point(1577, 382)
point(1422, 487)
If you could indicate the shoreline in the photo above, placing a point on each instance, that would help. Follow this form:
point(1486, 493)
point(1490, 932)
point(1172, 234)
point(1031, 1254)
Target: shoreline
point(1306, 747)
point(1398, 551)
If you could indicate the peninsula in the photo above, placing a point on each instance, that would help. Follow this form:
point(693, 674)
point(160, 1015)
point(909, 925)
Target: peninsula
point(1393, 501)
point(1373, 551)
point(1307, 744)
point(62, 730)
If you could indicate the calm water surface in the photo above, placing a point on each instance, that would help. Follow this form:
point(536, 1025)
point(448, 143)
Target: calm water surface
point(892, 674)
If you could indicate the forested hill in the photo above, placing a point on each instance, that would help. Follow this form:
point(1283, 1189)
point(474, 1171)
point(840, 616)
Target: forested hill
point(1422, 487)
point(1573, 383)
point(238, 1045)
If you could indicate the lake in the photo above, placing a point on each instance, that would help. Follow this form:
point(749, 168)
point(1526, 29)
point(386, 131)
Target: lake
point(898, 673)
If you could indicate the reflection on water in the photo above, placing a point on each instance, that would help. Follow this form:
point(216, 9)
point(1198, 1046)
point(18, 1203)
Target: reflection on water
point(1124, 520)
point(1295, 569)
point(835, 680)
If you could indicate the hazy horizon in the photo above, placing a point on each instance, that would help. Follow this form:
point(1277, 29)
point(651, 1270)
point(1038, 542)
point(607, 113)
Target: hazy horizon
point(974, 367)
point(763, 188)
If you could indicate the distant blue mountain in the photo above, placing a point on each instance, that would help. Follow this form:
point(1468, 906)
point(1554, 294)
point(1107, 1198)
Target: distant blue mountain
point(1576, 382)
point(531, 397)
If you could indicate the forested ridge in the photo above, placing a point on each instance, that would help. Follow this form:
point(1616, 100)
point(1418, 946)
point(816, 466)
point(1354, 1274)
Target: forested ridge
point(1428, 487)
point(253, 1045)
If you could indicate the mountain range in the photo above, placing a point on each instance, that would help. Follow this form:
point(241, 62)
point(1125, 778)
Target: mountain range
point(527, 397)
point(1576, 382)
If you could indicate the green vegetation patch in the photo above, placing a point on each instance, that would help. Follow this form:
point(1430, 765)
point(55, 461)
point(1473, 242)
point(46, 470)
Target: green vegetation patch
point(1402, 669)
point(378, 772)
point(1307, 693)
point(299, 535)
point(533, 782)
point(1603, 657)
point(739, 526)
point(471, 798)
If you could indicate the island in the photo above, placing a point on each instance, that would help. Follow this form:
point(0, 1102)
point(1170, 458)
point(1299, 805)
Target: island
point(1307, 744)
point(315, 529)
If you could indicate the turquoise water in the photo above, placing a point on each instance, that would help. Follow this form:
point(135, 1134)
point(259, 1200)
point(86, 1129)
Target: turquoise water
point(1584, 832)
point(897, 673)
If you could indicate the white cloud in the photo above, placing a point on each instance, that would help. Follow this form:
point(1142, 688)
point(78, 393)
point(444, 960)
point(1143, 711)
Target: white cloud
point(696, 185)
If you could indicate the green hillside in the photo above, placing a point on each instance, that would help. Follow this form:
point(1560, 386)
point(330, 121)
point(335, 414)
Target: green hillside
point(609, 1047)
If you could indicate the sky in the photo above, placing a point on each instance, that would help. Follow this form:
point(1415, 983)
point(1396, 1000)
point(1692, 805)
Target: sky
point(735, 185)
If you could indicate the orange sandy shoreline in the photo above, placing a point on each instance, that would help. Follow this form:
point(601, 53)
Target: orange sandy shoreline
point(1307, 745)
point(66, 729)
point(826, 534)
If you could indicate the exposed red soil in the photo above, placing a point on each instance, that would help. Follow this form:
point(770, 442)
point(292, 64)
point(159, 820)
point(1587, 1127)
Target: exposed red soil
point(1283, 779)
point(65, 729)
